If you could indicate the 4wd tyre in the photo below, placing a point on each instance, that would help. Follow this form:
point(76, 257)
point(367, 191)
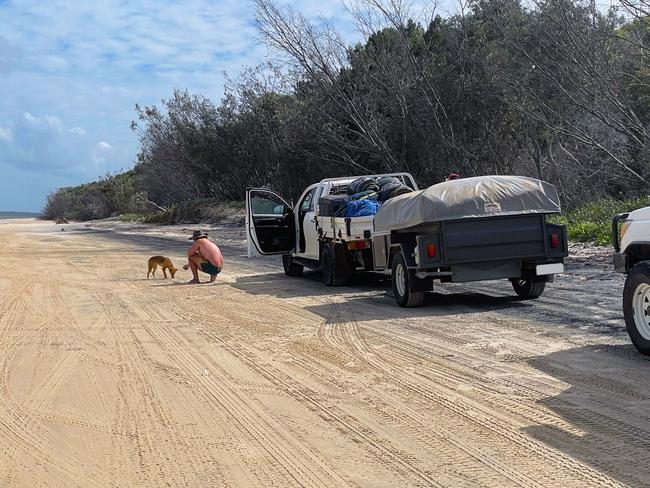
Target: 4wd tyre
point(636, 306)
point(403, 281)
point(290, 267)
point(528, 289)
point(334, 266)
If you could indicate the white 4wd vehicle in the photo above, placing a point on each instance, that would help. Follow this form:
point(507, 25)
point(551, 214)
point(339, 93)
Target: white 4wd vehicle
point(631, 240)
point(304, 237)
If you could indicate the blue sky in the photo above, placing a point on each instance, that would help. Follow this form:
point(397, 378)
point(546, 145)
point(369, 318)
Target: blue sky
point(72, 71)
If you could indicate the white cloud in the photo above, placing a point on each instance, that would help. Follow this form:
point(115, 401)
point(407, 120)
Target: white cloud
point(89, 63)
point(47, 122)
point(118, 38)
point(6, 134)
point(52, 123)
point(29, 117)
point(43, 144)
point(99, 154)
point(76, 130)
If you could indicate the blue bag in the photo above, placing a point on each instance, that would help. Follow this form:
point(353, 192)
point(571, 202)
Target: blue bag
point(361, 208)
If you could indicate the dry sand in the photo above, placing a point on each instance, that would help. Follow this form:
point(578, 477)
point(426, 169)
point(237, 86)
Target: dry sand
point(107, 379)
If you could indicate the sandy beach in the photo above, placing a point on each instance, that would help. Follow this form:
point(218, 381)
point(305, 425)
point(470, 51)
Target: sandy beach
point(110, 379)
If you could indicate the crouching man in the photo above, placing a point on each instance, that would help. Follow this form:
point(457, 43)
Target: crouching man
point(204, 255)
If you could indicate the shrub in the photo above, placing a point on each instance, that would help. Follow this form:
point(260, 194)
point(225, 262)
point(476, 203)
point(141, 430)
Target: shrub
point(205, 210)
point(592, 222)
point(111, 195)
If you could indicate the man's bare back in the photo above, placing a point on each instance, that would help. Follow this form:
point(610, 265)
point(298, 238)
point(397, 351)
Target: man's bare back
point(204, 255)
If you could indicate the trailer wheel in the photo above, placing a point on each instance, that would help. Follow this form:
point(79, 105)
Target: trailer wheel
point(335, 269)
point(528, 289)
point(403, 280)
point(636, 306)
point(290, 267)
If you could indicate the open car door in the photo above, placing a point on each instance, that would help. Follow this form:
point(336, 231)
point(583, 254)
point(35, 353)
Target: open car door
point(271, 223)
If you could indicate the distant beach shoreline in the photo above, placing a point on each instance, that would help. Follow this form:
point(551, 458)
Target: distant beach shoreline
point(18, 215)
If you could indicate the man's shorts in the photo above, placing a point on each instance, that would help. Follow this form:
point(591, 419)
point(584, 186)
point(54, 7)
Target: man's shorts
point(211, 269)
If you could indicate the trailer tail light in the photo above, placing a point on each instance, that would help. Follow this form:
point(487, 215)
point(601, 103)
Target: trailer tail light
point(431, 251)
point(555, 240)
point(356, 245)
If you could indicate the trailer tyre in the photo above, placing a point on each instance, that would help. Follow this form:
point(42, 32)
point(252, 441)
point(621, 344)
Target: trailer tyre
point(334, 266)
point(403, 281)
point(636, 306)
point(290, 267)
point(528, 289)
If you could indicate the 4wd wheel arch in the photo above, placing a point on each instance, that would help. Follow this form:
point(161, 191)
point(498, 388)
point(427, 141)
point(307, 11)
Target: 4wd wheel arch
point(635, 294)
point(637, 252)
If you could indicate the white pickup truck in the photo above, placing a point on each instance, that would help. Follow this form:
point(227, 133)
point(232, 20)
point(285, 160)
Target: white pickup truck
point(472, 229)
point(631, 241)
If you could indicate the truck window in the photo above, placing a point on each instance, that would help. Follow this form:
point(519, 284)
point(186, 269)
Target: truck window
point(267, 204)
point(307, 201)
point(317, 195)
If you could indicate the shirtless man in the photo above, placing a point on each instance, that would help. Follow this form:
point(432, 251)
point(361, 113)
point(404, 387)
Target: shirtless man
point(204, 255)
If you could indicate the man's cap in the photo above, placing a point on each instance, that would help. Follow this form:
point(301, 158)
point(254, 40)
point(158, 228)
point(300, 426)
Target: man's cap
point(198, 234)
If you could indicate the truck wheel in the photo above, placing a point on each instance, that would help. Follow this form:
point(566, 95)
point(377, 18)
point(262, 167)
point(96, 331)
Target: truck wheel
point(290, 267)
point(403, 279)
point(336, 271)
point(528, 289)
point(636, 306)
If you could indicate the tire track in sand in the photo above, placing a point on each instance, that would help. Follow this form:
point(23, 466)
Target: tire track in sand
point(16, 437)
point(471, 411)
point(300, 465)
point(152, 455)
point(387, 453)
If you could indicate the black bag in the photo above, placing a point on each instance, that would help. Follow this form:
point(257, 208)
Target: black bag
point(385, 180)
point(401, 190)
point(362, 184)
point(332, 205)
point(387, 189)
point(352, 187)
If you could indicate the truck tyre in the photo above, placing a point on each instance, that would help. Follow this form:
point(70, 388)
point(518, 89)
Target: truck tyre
point(528, 289)
point(403, 281)
point(290, 267)
point(334, 266)
point(636, 306)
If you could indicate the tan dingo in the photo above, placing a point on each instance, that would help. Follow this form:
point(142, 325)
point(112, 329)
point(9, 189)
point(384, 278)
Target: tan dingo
point(164, 263)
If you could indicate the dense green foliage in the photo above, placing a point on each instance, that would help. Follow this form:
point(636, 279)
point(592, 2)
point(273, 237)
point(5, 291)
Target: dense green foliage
point(592, 222)
point(113, 194)
point(559, 91)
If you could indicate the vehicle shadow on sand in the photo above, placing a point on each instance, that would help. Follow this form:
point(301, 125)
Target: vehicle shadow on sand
point(185, 283)
point(606, 404)
point(369, 297)
point(310, 284)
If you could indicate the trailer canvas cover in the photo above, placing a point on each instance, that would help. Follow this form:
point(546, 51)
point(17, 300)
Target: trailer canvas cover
point(482, 196)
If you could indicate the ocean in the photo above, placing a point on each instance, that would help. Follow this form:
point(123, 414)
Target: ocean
point(18, 215)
